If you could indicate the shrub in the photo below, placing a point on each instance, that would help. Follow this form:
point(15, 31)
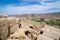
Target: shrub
point(53, 22)
point(38, 19)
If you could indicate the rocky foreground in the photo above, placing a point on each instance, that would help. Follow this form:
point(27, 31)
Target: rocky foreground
point(13, 28)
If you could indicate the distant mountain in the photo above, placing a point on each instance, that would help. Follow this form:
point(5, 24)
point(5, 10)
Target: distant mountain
point(46, 15)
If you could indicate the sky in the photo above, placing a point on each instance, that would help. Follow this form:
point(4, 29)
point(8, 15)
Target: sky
point(16, 7)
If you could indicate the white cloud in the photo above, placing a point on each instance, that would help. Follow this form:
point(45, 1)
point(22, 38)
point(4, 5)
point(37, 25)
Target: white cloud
point(26, 9)
point(45, 7)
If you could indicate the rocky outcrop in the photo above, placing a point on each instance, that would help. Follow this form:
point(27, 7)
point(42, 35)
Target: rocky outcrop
point(8, 26)
point(3, 28)
point(24, 34)
point(28, 29)
point(24, 29)
point(35, 31)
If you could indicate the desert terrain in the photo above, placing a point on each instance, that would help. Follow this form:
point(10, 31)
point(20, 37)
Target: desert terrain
point(30, 27)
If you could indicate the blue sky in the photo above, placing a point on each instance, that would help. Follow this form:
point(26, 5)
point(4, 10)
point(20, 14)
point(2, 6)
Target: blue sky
point(16, 7)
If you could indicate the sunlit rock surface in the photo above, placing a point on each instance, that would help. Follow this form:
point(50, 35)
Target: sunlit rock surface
point(13, 28)
point(7, 26)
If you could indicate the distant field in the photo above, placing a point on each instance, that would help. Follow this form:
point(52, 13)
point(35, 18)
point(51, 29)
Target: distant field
point(55, 22)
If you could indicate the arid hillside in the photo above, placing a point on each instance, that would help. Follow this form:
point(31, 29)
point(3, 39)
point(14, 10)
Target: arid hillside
point(29, 28)
point(55, 15)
